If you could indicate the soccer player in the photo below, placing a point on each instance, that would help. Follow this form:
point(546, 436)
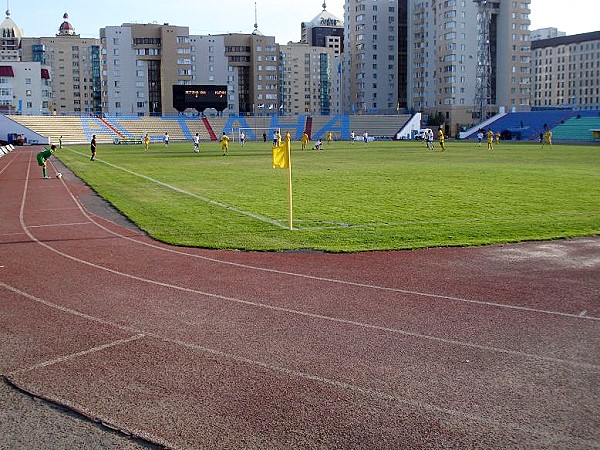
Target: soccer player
point(242, 138)
point(441, 139)
point(93, 147)
point(497, 137)
point(490, 140)
point(429, 139)
point(225, 144)
point(276, 138)
point(166, 139)
point(547, 138)
point(43, 156)
point(304, 140)
point(352, 136)
point(479, 137)
point(366, 137)
point(197, 143)
point(329, 137)
point(146, 142)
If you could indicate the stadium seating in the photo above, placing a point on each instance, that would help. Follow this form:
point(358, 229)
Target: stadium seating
point(578, 128)
point(566, 125)
point(527, 126)
point(378, 126)
point(70, 128)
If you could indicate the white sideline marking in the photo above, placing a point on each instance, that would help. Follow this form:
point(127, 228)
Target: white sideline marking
point(191, 194)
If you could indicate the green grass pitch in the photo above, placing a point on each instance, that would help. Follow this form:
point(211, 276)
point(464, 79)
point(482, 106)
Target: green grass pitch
point(349, 197)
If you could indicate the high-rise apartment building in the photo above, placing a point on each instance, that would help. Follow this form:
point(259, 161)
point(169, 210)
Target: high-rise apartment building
point(372, 51)
point(74, 65)
point(255, 59)
point(141, 63)
point(210, 66)
point(310, 80)
point(566, 71)
point(24, 86)
point(445, 55)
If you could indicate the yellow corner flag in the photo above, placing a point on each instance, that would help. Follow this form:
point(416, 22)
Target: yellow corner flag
point(281, 160)
point(281, 156)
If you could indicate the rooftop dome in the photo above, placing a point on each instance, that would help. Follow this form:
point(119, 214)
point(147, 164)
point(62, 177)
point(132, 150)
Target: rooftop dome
point(9, 29)
point(326, 19)
point(66, 28)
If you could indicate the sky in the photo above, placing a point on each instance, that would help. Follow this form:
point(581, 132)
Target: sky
point(279, 18)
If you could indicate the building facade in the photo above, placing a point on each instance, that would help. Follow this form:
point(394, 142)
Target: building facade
point(74, 64)
point(310, 79)
point(371, 56)
point(210, 66)
point(566, 72)
point(446, 58)
point(141, 63)
point(255, 60)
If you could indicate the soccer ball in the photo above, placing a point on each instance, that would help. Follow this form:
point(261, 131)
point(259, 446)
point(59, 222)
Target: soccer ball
point(59, 175)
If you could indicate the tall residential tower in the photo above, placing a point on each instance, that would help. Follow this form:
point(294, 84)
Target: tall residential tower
point(446, 58)
point(375, 56)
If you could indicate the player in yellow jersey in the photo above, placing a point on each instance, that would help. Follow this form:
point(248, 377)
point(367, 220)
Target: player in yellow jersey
point(441, 139)
point(304, 140)
point(225, 143)
point(146, 142)
point(490, 140)
point(547, 138)
point(329, 137)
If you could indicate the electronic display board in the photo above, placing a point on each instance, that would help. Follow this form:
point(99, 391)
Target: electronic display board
point(199, 97)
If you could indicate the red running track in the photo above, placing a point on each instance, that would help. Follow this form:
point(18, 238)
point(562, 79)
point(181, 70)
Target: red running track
point(488, 347)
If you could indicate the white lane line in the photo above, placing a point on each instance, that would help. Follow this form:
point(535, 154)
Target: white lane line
point(76, 355)
point(18, 233)
point(10, 161)
point(60, 224)
point(368, 392)
point(57, 209)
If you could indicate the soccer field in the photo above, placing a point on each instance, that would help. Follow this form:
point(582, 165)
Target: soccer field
point(349, 197)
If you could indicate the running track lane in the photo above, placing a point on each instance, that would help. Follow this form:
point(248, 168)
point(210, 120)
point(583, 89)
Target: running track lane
point(489, 347)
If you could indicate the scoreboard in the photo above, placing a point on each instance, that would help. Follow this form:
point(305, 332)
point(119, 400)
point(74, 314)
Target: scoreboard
point(199, 97)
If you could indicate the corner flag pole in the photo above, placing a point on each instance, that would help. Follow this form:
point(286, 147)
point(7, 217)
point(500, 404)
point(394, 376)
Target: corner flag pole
point(288, 149)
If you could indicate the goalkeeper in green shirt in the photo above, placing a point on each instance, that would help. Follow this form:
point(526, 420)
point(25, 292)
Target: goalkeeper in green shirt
point(43, 156)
